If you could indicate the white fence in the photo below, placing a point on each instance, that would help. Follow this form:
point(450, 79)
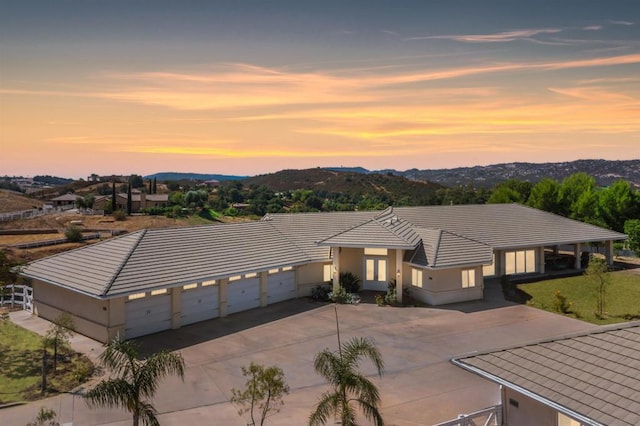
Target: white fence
point(491, 416)
point(17, 295)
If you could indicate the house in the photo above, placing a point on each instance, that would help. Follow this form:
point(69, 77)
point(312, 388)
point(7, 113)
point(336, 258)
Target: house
point(158, 279)
point(139, 201)
point(68, 199)
point(588, 379)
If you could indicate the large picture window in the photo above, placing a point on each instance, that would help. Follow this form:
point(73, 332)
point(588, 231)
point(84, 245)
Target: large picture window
point(520, 262)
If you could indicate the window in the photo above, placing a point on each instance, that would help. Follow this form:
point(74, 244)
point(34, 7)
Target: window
point(416, 277)
point(520, 262)
point(287, 268)
point(326, 272)
point(189, 286)
point(375, 251)
point(274, 271)
point(251, 275)
point(159, 292)
point(468, 278)
point(136, 296)
point(207, 283)
point(235, 278)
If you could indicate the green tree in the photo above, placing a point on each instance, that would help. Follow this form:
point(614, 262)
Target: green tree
point(348, 384)
point(573, 191)
point(264, 391)
point(136, 181)
point(114, 200)
point(632, 229)
point(61, 330)
point(135, 382)
point(73, 234)
point(544, 196)
point(129, 200)
point(598, 272)
point(155, 186)
point(617, 204)
point(505, 195)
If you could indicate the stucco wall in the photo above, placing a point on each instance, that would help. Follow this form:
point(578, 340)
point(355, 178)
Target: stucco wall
point(444, 286)
point(90, 315)
point(351, 260)
point(309, 276)
point(528, 412)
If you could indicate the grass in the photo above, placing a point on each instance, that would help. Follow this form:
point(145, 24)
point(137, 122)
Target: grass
point(622, 297)
point(21, 363)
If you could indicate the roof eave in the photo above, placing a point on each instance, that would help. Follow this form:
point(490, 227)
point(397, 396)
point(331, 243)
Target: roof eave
point(577, 416)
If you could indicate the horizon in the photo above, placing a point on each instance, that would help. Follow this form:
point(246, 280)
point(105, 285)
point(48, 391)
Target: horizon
point(252, 88)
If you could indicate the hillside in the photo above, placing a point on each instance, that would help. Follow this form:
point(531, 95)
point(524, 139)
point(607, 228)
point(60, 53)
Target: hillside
point(604, 171)
point(11, 201)
point(176, 176)
point(330, 181)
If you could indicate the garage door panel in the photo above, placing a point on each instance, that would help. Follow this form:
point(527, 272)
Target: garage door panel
point(281, 286)
point(200, 304)
point(243, 295)
point(147, 315)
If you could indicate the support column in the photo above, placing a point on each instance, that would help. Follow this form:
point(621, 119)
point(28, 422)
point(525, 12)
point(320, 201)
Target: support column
point(222, 296)
point(608, 252)
point(399, 274)
point(176, 307)
point(577, 253)
point(336, 268)
point(541, 266)
point(264, 276)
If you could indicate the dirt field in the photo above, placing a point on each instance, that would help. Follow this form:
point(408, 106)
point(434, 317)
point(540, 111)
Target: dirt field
point(12, 201)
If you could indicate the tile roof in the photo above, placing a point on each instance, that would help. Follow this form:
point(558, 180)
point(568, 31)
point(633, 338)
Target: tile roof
point(158, 258)
point(593, 377)
point(443, 249)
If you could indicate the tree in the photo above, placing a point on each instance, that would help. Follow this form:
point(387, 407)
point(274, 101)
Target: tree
point(504, 195)
point(264, 390)
point(155, 185)
point(129, 200)
point(136, 181)
point(598, 272)
point(45, 417)
point(632, 229)
point(73, 234)
point(348, 384)
point(571, 190)
point(617, 204)
point(135, 382)
point(114, 201)
point(62, 329)
point(544, 196)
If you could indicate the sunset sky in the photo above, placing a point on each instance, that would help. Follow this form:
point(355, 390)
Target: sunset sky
point(251, 87)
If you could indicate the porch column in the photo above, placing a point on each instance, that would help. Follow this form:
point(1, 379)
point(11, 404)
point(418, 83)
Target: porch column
point(222, 297)
point(336, 268)
point(399, 274)
point(541, 260)
point(264, 276)
point(576, 251)
point(608, 251)
point(176, 307)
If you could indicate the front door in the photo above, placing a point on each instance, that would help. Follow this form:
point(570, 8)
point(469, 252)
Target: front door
point(375, 273)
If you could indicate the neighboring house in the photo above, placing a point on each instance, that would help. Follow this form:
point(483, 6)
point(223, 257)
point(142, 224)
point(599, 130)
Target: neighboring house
point(589, 379)
point(158, 279)
point(139, 201)
point(64, 200)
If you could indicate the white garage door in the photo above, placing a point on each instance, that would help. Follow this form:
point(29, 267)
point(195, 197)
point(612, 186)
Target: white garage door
point(146, 315)
point(199, 304)
point(243, 294)
point(281, 286)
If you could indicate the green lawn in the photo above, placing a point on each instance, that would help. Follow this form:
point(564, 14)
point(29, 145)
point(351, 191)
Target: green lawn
point(622, 297)
point(21, 362)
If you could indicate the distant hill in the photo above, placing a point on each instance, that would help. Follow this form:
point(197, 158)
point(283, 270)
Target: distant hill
point(176, 176)
point(394, 187)
point(604, 171)
point(348, 169)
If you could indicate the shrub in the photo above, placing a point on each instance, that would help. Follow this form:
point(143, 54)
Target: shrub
point(321, 293)
point(119, 215)
point(350, 282)
point(560, 303)
point(73, 234)
point(343, 297)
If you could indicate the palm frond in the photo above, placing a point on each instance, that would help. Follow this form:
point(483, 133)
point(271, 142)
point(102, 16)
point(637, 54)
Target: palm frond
point(148, 414)
point(371, 412)
point(359, 347)
point(157, 367)
point(328, 405)
point(111, 393)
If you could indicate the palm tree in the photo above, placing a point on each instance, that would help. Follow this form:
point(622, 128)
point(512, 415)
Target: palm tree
point(135, 381)
point(340, 369)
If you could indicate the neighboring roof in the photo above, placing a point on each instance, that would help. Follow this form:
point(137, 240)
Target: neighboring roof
point(385, 230)
point(443, 249)
point(66, 197)
point(158, 258)
point(593, 377)
point(505, 226)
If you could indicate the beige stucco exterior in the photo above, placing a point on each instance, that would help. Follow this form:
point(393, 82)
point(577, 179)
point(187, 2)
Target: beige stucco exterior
point(442, 286)
point(528, 412)
point(309, 276)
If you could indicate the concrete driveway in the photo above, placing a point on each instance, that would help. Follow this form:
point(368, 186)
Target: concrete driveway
point(420, 386)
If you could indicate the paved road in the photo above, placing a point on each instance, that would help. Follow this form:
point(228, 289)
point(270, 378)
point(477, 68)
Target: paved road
point(420, 386)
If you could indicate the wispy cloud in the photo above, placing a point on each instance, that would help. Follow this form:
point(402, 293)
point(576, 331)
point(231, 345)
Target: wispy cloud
point(501, 37)
point(626, 23)
point(592, 28)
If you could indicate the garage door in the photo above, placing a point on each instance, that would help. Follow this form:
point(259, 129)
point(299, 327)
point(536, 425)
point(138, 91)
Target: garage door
point(281, 286)
point(199, 303)
point(243, 294)
point(148, 314)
